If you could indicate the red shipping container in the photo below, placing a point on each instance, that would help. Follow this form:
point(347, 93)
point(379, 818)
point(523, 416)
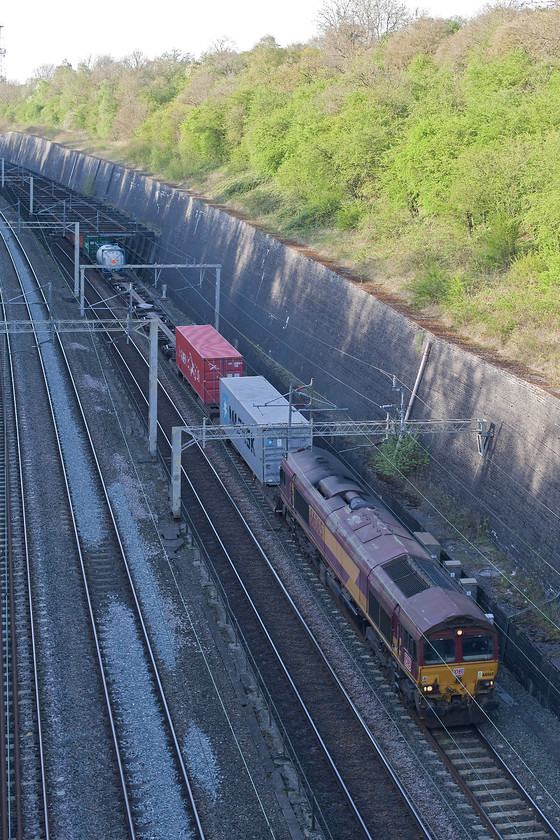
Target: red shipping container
point(204, 356)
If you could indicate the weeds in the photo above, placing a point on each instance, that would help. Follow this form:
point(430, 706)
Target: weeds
point(397, 457)
point(430, 286)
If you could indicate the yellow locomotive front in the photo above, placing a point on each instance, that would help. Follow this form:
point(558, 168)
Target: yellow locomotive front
point(457, 669)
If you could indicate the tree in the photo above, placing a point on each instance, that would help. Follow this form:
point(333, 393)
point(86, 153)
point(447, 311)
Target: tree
point(398, 457)
point(165, 76)
point(45, 72)
point(136, 60)
point(350, 27)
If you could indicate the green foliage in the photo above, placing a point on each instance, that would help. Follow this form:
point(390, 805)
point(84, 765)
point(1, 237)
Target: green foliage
point(106, 109)
point(396, 458)
point(240, 185)
point(430, 286)
point(306, 216)
point(88, 185)
point(348, 216)
point(202, 137)
point(430, 157)
point(498, 242)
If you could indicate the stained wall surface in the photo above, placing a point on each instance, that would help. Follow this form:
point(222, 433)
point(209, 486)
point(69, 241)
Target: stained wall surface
point(279, 304)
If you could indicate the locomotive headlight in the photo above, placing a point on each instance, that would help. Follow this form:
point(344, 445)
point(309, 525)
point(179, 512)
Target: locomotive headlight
point(459, 632)
point(428, 688)
point(485, 684)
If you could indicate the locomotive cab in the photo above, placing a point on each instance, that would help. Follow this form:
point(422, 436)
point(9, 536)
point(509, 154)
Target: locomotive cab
point(458, 667)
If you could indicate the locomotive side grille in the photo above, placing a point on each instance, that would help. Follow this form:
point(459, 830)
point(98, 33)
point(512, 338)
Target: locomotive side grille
point(406, 577)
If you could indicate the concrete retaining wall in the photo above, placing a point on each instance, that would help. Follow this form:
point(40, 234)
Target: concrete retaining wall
point(313, 322)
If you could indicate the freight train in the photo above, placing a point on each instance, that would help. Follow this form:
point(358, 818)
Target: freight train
point(438, 647)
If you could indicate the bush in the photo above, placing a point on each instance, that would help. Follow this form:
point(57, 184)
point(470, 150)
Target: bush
point(348, 217)
point(395, 458)
point(241, 185)
point(307, 215)
point(430, 286)
point(262, 201)
point(497, 245)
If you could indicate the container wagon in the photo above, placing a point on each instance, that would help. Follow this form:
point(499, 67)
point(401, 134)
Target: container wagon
point(204, 357)
point(110, 256)
point(253, 401)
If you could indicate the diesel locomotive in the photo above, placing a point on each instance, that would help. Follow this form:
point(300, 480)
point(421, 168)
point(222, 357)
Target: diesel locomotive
point(439, 648)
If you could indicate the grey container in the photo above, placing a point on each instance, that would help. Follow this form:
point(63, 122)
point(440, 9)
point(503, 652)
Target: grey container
point(253, 401)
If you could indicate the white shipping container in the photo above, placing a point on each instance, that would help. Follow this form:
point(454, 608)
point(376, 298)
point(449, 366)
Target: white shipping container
point(110, 257)
point(253, 401)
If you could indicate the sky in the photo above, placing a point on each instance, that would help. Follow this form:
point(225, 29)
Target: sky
point(36, 33)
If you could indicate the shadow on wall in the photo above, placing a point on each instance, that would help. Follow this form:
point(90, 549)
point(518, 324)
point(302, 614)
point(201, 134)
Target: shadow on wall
point(313, 322)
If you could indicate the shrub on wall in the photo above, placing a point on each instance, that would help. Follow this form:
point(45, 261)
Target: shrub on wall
point(397, 457)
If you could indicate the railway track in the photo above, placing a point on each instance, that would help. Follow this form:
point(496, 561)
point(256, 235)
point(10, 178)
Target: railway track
point(506, 807)
point(78, 577)
point(199, 522)
point(10, 768)
point(23, 761)
point(354, 791)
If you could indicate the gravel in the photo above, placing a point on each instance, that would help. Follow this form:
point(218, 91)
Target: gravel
point(235, 766)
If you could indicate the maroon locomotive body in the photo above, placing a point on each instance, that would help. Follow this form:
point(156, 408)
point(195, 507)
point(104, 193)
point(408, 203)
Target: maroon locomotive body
point(441, 649)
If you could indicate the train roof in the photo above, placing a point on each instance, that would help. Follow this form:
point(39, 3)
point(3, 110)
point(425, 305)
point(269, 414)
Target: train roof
point(435, 610)
point(259, 402)
point(400, 566)
point(208, 342)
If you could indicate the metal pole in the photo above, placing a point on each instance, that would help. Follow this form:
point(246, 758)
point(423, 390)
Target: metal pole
point(152, 418)
point(82, 290)
point(427, 349)
point(129, 327)
point(2, 173)
point(290, 404)
point(217, 301)
point(176, 471)
point(76, 255)
point(31, 196)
